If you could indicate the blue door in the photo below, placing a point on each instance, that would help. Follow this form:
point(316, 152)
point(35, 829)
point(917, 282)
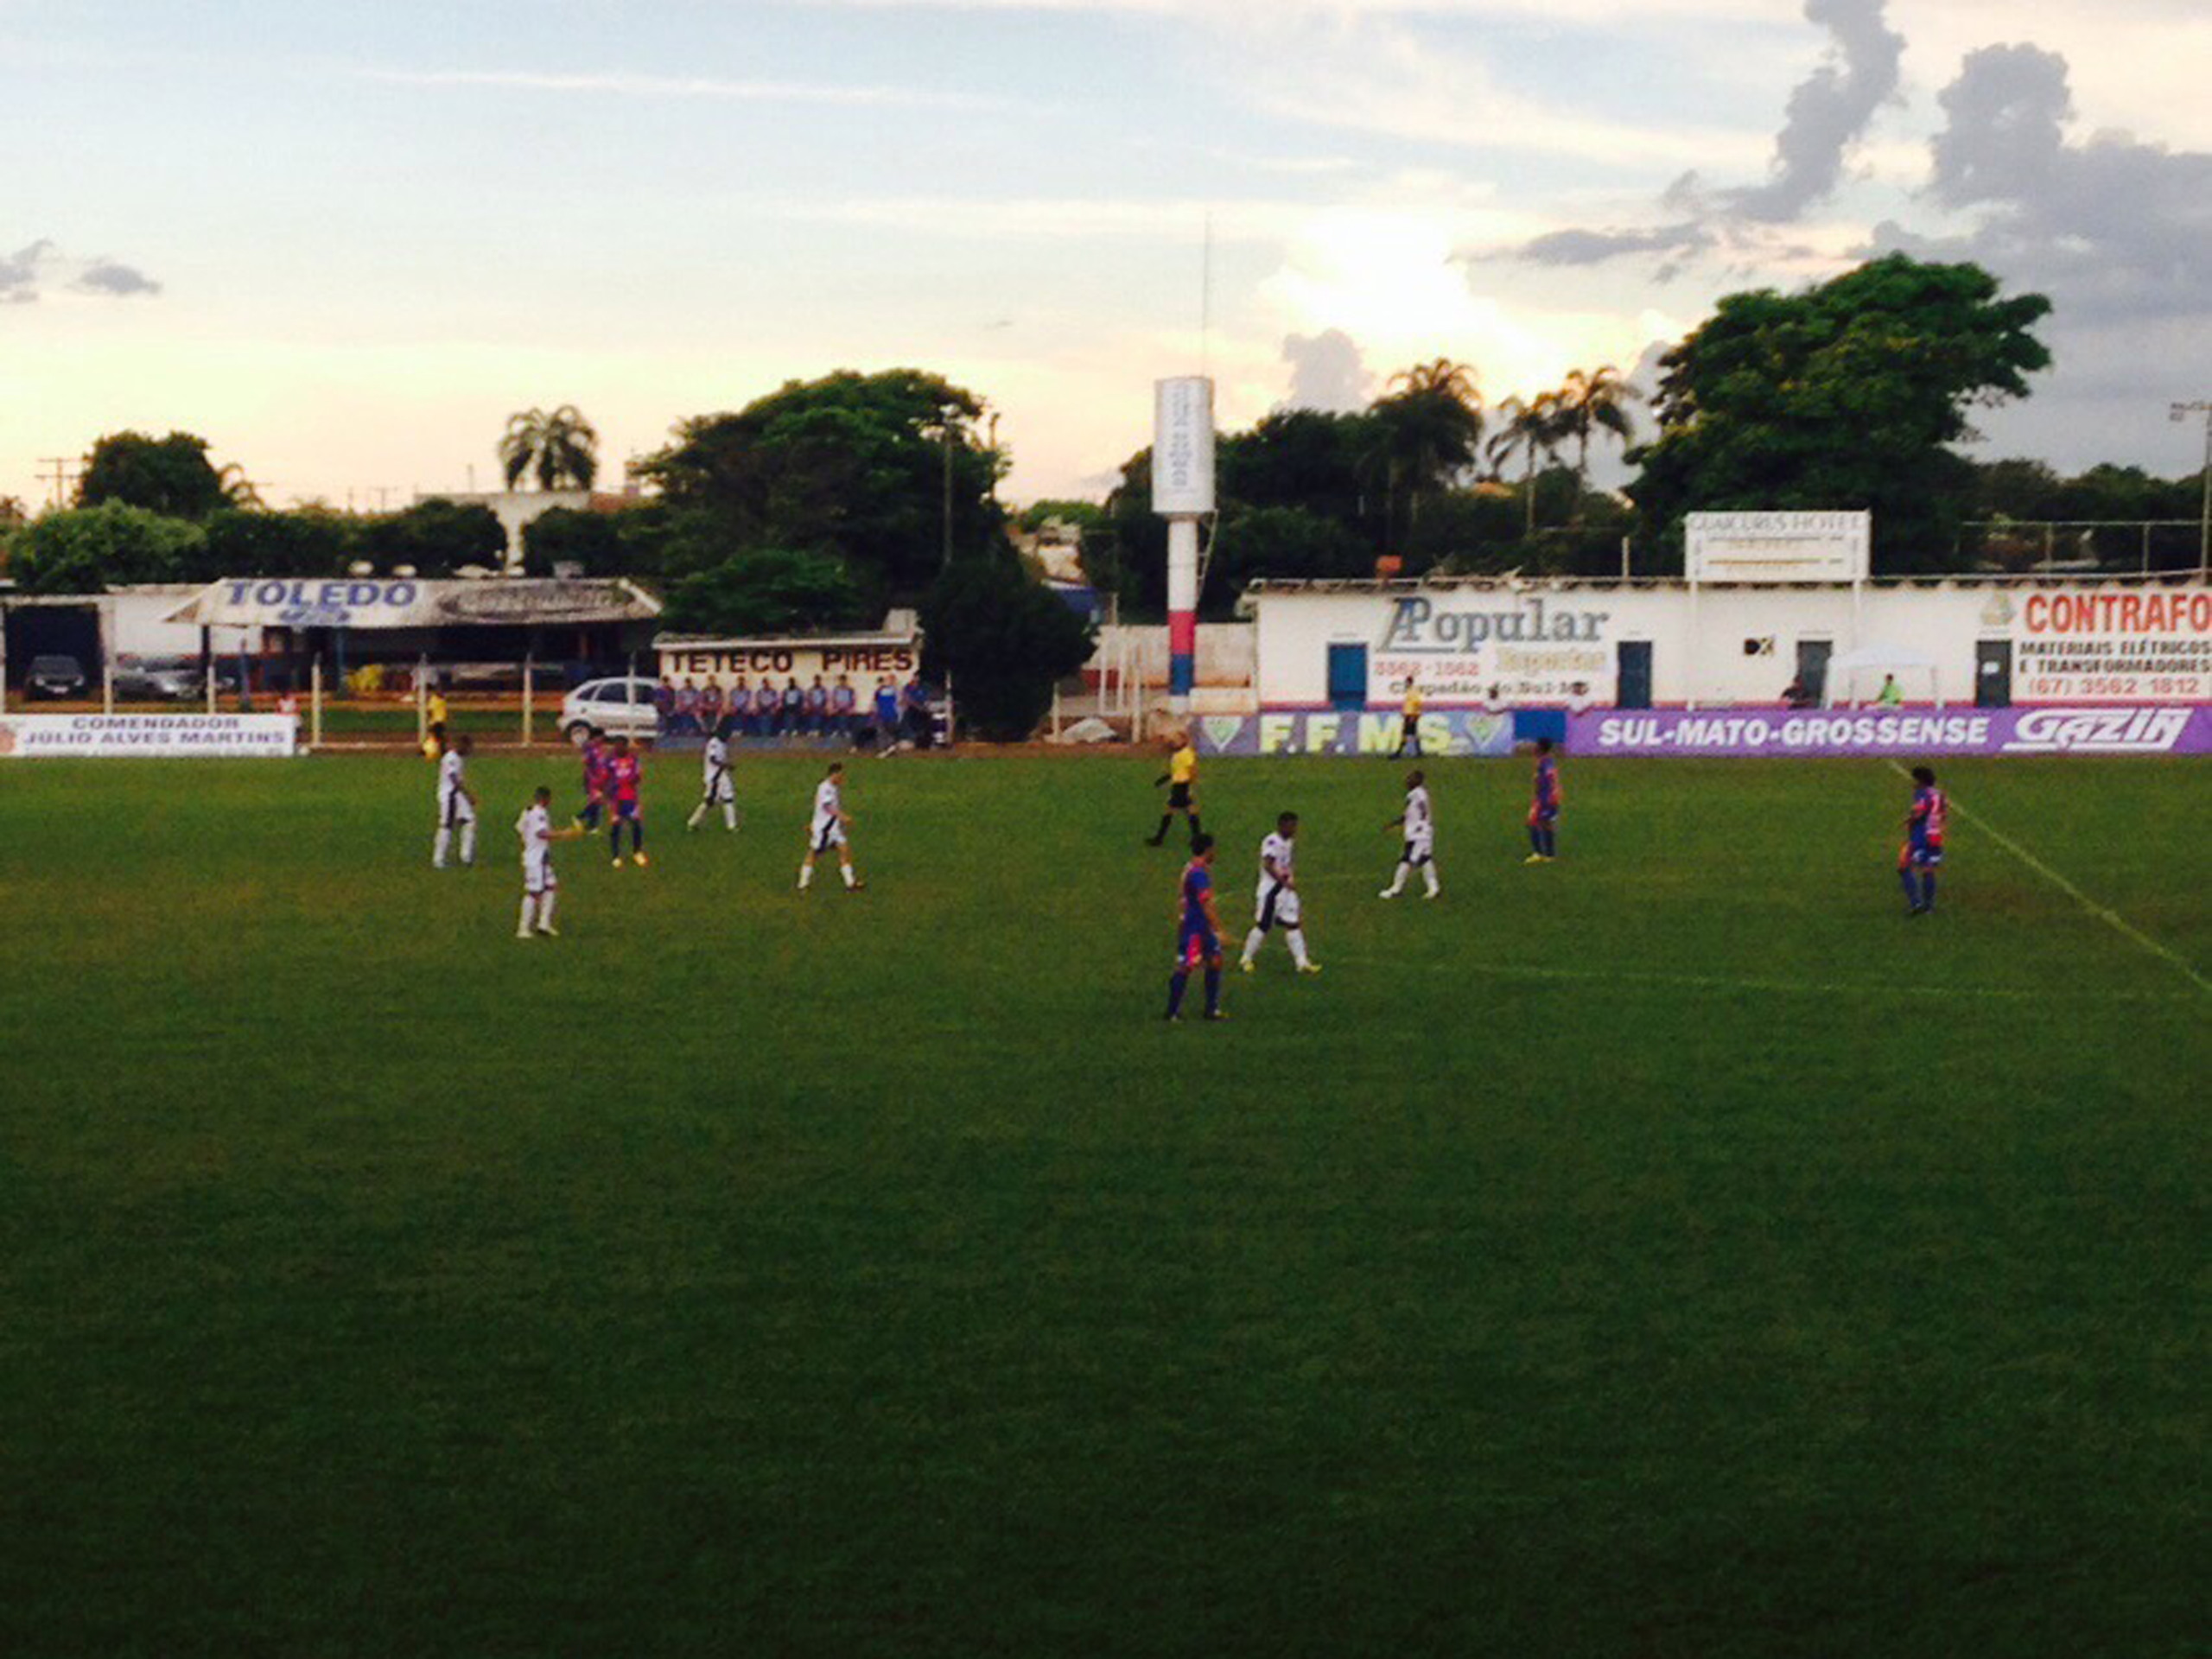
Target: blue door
point(1348, 676)
point(1635, 688)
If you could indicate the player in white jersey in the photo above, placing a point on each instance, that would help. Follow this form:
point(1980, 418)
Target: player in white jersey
point(717, 788)
point(831, 821)
point(1418, 821)
point(457, 805)
point(1277, 903)
point(539, 887)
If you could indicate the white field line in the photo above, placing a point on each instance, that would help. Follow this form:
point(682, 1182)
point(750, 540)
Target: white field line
point(2103, 912)
point(1779, 987)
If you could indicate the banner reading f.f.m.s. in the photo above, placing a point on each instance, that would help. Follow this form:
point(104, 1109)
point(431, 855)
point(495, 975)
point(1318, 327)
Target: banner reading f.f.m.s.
point(1446, 732)
point(1485, 648)
point(1971, 731)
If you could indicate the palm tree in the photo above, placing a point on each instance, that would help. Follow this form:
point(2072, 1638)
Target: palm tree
point(1533, 428)
point(561, 447)
point(239, 490)
point(1429, 429)
point(1597, 397)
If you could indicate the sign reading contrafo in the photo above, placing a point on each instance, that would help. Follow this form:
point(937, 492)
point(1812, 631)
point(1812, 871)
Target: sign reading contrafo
point(1182, 447)
point(364, 603)
point(1778, 546)
point(2114, 646)
point(1486, 648)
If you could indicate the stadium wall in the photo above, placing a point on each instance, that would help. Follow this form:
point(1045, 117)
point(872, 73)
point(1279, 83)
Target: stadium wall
point(1579, 645)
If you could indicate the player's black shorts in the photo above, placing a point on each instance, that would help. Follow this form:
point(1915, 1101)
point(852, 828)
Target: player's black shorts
point(1178, 797)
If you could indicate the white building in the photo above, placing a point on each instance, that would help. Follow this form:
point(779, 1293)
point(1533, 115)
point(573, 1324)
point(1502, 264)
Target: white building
point(1491, 644)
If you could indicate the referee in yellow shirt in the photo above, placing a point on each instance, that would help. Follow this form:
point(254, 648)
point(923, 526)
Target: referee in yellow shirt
point(1182, 779)
point(1409, 731)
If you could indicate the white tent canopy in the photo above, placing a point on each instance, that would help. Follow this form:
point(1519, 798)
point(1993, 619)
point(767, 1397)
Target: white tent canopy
point(1848, 670)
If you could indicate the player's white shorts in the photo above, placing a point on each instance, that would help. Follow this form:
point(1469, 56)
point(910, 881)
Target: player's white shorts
point(828, 835)
point(721, 790)
point(1277, 906)
point(1420, 849)
point(538, 875)
point(455, 809)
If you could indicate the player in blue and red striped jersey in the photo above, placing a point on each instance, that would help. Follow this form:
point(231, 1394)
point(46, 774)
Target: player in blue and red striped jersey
point(1197, 938)
point(626, 773)
point(1922, 856)
point(594, 757)
point(1543, 811)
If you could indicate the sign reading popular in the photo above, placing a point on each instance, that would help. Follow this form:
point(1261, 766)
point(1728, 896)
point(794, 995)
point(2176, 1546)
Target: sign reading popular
point(1532, 651)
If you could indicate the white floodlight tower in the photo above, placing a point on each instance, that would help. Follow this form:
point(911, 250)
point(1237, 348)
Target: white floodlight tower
point(1182, 493)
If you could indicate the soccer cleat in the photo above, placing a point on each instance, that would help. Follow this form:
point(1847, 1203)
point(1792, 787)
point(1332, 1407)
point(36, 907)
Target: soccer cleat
point(548, 930)
point(1248, 965)
point(857, 886)
point(617, 861)
point(1536, 858)
point(641, 861)
point(1388, 892)
point(521, 933)
point(1434, 893)
point(1309, 967)
point(1217, 1013)
point(1174, 1019)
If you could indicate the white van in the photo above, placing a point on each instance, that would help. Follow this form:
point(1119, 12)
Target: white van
point(622, 707)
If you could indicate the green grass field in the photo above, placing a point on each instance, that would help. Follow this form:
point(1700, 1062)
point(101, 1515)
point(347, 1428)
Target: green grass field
point(1671, 1251)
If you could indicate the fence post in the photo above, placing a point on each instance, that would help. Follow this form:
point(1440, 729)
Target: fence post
point(107, 688)
point(315, 705)
point(421, 701)
point(210, 682)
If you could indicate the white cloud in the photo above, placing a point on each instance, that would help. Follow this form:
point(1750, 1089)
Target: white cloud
point(678, 88)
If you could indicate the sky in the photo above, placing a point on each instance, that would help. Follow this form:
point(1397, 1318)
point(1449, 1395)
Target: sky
point(343, 242)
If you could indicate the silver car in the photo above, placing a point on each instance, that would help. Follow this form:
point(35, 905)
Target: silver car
point(622, 707)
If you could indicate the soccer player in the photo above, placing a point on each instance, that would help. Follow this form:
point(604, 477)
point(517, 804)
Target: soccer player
point(717, 788)
point(1277, 901)
point(595, 757)
point(1922, 856)
point(1409, 720)
point(457, 805)
point(1418, 822)
point(626, 773)
point(831, 821)
point(1543, 811)
point(539, 885)
point(1182, 779)
point(1198, 939)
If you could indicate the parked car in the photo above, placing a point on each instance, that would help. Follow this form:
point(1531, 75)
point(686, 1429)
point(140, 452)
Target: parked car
point(54, 676)
point(159, 679)
point(622, 707)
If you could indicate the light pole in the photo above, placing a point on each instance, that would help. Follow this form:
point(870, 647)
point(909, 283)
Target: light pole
point(2182, 412)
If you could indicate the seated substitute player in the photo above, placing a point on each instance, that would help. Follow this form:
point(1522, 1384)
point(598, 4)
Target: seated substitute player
point(1418, 822)
point(1182, 779)
point(539, 887)
point(457, 805)
point(595, 757)
point(1543, 811)
point(626, 776)
point(1197, 938)
point(828, 830)
point(1922, 856)
point(1277, 901)
point(717, 788)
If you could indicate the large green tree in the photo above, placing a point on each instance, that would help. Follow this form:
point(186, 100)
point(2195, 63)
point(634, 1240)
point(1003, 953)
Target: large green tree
point(766, 593)
point(1844, 396)
point(243, 542)
point(171, 474)
point(1427, 433)
point(436, 538)
point(873, 468)
point(1002, 640)
point(92, 548)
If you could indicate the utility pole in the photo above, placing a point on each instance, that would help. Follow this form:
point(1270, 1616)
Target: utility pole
point(2182, 412)
point(58, 472)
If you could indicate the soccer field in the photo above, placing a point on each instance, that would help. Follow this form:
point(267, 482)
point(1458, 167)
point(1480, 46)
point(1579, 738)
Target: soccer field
point(1668, 1251)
